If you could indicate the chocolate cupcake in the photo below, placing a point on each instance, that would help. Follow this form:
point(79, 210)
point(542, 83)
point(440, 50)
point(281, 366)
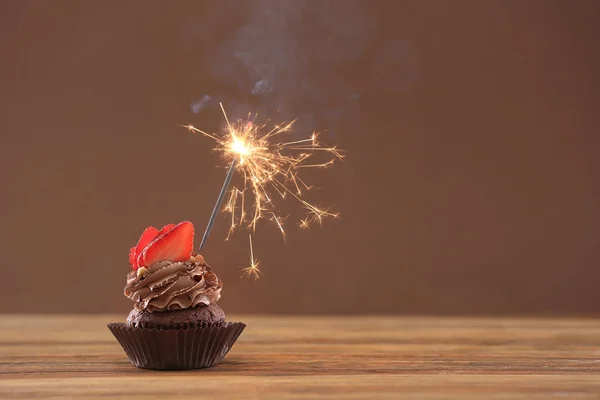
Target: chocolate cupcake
point(175, 322)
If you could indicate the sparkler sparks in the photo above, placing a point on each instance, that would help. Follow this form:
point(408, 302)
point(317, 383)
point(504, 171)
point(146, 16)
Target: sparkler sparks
point(269, 169)
point(252, 271)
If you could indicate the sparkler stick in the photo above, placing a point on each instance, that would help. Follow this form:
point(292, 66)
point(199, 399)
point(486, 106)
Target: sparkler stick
point(213, 216)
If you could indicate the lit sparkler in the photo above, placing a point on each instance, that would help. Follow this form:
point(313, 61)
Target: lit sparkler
point(270, 170)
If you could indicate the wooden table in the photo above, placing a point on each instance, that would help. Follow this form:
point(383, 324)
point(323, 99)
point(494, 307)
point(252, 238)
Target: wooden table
point(315, 357)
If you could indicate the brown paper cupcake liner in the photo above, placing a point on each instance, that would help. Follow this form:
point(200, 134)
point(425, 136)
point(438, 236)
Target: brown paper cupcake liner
point(200, 346)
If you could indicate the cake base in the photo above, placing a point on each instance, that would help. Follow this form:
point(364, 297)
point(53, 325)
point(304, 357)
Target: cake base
point(200, 315)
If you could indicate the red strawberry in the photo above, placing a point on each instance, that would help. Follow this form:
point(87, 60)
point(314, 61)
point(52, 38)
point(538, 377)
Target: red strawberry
point(149, 235)
point(166, 229)
point(132, 255)
point(175, 245)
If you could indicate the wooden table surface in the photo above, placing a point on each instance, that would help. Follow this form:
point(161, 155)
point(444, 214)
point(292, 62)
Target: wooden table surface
point(315, 357)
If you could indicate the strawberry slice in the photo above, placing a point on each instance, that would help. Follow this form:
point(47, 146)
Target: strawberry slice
point(132, 255)
point(147, 236)
point(175, 245)
point(166, 229)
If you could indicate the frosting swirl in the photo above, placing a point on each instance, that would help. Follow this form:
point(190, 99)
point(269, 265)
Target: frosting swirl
point(168, 285)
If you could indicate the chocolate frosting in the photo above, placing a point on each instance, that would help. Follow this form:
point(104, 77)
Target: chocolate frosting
point(168, 285)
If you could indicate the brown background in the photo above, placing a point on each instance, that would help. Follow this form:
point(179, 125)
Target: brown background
point(471, 127)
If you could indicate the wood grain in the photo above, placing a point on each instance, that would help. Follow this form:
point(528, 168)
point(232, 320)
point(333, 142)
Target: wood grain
point(315, 357)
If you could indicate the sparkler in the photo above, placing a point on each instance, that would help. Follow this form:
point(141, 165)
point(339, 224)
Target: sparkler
point(270, 170)
point(213, 215)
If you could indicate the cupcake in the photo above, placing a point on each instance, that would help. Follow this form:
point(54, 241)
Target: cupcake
point(175, 322)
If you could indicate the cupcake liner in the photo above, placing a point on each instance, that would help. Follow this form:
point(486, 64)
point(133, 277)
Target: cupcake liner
point(165, 348)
